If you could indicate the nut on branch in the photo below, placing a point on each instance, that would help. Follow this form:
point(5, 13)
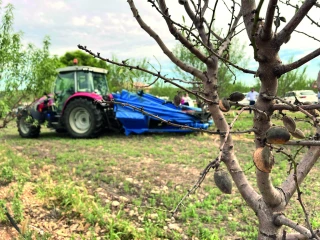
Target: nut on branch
point(236, 97)
point(298, 134)
point(289, 123)
point(223, 181)
point(277, 135)
point(224, 105)
point(263, 159)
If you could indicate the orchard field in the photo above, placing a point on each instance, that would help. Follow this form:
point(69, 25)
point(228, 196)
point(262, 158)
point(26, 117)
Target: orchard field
point(125, 187)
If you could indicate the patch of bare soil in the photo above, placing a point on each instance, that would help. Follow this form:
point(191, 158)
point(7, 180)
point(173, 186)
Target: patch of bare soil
point(142, 174)
point(43, 221)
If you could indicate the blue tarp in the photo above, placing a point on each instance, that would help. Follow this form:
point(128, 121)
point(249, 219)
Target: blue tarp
point(135, 121)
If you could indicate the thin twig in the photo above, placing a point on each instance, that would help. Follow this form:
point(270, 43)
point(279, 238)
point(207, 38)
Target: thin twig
point(299, 192)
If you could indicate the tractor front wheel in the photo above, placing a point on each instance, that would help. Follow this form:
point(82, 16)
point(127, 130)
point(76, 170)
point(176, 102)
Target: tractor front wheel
point(26, 125)
point(83, 119)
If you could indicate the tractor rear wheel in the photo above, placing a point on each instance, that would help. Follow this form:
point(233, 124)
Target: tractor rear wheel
point(26, 126)
point(83, 119)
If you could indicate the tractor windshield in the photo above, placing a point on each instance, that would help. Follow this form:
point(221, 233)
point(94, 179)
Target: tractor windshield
point(100, 83)
point(92, 82)
point(64, 83)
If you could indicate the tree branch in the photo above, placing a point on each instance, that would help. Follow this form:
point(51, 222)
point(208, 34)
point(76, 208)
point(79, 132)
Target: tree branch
point(271, 195)
point(199, 25)
point(282, 69)
point(294, 108)
point(267, 28)
point(211, 51)
point(227, 40)
point(239, 178)
point(297, 236)
point(297, 7)
point(280, 220)
point(307, 35)
point(204, 9)
point(209, 26)
point(248, 9)
point(303, 143)
point(294, 21)
point(303, 168)
point(174, 31)
point(166, 51)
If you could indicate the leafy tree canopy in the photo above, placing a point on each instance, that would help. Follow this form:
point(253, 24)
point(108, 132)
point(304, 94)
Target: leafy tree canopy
point(84, 59)
point(26, 71)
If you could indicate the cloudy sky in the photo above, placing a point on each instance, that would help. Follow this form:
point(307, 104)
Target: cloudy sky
point(108, 27)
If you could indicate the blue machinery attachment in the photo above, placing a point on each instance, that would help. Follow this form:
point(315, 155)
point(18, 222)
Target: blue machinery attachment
point(134, 121)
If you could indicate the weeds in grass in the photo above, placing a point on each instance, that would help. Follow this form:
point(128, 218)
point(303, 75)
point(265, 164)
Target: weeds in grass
point(6, 175)
point(17, 207)
point(79, 167)
point(31, 235)
point(3, 210)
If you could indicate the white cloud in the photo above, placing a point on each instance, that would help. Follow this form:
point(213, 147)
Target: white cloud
point(57, 5)
point(43, 19)
point(79, 21)
point(108, 26)
point(96, 20)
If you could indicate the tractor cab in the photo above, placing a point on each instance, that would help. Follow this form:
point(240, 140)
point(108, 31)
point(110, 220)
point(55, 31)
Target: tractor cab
point(79, 79)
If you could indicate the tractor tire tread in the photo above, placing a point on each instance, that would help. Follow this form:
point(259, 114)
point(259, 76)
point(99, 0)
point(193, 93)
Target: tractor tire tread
point(33, 132)
point(95, 113)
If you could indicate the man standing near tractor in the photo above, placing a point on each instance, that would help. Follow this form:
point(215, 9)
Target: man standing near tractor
point(252, 97)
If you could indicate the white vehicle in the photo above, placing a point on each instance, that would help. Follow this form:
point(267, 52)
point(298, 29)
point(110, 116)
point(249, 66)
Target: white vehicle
point(302, 96)
point(245, 101)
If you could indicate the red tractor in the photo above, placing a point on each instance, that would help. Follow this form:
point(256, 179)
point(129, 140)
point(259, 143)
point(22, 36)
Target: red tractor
point(82, 106)
point(72, 107)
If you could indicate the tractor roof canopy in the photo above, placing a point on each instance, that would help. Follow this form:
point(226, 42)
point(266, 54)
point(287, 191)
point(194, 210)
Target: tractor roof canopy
point(82, 68)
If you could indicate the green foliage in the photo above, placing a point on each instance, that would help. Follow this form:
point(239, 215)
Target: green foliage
point(83, 58)
point(6, 174)
point(294, 80)
point(123, 78)
point(26, 71)
point(164, 90)
point(235, 54)
point(3, 210)
point(17, 207)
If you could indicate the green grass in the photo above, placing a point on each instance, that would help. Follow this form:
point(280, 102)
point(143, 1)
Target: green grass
point(127, 185)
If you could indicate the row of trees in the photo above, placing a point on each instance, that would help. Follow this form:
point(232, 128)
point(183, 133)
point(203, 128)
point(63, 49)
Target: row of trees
point(123, 78)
